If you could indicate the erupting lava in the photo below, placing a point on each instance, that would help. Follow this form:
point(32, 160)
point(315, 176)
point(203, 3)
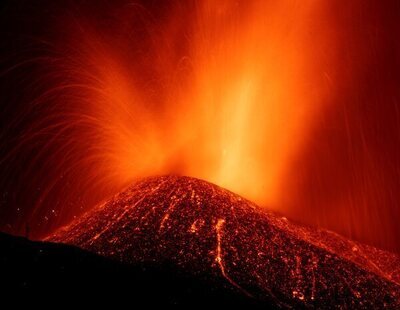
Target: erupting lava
point(218, 90)
point(212, 232)
point(291, 104)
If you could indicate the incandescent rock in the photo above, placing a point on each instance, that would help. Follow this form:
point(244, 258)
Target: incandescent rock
point(213, 233)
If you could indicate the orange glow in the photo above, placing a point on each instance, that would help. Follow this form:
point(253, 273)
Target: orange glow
point(229, 98)
point(253, 106)
point(291, 104)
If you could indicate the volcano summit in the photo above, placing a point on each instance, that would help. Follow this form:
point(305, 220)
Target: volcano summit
point(213, 233)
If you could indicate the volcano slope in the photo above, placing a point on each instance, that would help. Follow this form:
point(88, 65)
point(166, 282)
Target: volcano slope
point(217, 235)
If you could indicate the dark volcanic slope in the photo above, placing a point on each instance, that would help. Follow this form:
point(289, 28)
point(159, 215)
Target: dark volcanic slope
point(214, 233)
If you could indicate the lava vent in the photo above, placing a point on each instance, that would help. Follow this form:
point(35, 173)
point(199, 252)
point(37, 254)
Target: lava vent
point(209, 231)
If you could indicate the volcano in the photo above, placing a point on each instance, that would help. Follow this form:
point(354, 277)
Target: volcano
point(215, 234)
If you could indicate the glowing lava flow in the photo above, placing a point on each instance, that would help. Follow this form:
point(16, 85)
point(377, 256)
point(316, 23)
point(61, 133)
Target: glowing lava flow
point(210, 231)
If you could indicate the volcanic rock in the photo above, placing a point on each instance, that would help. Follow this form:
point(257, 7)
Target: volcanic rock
point(215, 234)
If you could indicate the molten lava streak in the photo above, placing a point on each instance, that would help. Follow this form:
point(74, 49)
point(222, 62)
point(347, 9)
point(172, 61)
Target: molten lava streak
point(212, 232)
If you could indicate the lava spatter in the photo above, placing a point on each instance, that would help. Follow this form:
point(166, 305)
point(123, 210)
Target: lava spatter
point(205, 229)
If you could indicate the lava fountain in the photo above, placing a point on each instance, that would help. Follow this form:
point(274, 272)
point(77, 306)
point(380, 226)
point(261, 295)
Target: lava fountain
point(219, 91)
point(269, 99)
point(290, 104)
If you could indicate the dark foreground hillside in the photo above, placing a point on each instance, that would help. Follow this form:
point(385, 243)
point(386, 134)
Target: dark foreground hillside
point(43, 271)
